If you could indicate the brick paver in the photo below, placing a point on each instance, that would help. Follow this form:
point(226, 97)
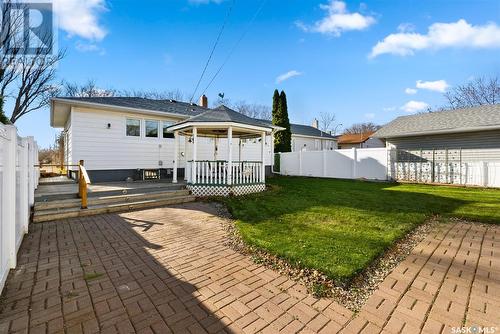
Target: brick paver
point(167, 270)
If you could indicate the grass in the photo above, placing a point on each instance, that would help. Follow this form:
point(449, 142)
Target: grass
point(340, 226)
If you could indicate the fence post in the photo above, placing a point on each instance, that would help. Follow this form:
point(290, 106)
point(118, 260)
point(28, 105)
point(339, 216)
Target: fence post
point(24, 184)
point(484, 166)
point(9, 193)
point(300, 163)
point(324, 162)
point(354, 162)
point(31, 171)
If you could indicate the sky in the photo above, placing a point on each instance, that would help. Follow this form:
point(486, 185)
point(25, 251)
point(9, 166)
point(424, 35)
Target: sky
point(363, 61)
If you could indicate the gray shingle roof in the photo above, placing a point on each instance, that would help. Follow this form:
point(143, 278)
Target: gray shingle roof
point(225, 114)
point(170, 106)
point(479, 118)
point(193, 110)
point(306, 130)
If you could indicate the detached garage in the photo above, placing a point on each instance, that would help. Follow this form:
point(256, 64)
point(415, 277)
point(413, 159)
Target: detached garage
point(455, 147)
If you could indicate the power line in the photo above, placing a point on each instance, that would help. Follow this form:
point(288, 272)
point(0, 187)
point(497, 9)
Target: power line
point(213, 49)
point(236, 44)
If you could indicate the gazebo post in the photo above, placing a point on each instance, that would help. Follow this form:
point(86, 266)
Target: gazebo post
point(262, 157)
point(176, 155)
point(195, 144)
point(230, 155)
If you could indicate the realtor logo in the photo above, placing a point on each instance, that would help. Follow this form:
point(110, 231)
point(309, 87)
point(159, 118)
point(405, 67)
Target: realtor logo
point(27, 28)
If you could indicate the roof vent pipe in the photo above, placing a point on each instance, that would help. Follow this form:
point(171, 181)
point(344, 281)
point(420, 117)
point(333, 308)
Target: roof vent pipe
point(315, 123)
point(203, 101)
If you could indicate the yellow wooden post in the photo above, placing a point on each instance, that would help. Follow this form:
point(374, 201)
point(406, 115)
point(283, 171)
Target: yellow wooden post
point(82, 183)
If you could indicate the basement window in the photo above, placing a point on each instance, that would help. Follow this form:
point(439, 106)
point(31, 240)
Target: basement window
point(133, 127)
point(151, 129)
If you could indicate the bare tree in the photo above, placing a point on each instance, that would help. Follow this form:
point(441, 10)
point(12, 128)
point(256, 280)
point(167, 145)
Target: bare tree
point(326, 121)
point(479, 91)
point(259, 111)
point(175, 94)
point(89, 89)
point(27, 78)
point(362, 128)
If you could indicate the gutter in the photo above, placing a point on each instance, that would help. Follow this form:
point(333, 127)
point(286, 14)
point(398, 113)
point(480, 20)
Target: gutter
point(437, 132)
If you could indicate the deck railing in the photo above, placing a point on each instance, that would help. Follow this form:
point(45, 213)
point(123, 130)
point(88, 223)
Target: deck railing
point(210, 172)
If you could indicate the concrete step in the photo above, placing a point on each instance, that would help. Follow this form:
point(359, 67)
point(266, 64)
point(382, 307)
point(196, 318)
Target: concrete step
point(101, 200)
point(64, 213)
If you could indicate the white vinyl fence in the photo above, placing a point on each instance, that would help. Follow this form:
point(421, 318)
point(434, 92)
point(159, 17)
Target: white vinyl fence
point(18, 180)
point(474, 167)
point(355, 163)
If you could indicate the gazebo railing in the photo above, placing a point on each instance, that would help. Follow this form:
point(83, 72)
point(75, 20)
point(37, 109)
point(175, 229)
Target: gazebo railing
point(216, 172)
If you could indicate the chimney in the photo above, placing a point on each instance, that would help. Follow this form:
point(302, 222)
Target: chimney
point(315, 123)
point(203, 101)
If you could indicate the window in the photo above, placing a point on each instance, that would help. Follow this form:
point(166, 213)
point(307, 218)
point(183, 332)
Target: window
point(133, 127)
point(151, 129)
point(167, 134)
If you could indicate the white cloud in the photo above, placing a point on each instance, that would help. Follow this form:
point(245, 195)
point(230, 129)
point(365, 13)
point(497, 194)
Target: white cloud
point(437, 86)
point(81, 18)
point(369, 115)
point(458, 34)
point(338, 20)
point(287, 75)
point(410, 91)
point(389, 108)
point(414, 106)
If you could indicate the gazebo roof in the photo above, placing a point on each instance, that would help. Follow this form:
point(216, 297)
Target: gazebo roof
point(222, 117)
point(225, 114)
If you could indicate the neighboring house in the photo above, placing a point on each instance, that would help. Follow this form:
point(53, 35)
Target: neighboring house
point(469, 128)
point(359, 140)
point(122, 137)
point(310, 138)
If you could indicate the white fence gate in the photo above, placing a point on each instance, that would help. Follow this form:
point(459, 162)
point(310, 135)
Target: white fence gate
point(355, 163)
point(18, 180)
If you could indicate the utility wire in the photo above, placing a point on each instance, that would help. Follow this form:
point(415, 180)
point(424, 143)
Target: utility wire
point(236, 44)
point(213, 49)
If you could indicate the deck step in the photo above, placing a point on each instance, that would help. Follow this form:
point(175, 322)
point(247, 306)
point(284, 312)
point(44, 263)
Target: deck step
point(101, 200)
point(71, 212)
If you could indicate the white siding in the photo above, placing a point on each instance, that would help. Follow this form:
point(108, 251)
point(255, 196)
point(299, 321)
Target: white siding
point(109, 149)
point(483, 139)
point(300, 143)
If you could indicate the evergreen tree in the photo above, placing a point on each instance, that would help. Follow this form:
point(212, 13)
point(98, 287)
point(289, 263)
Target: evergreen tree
point(287, 133)
point(282, 139)
point(3, 118)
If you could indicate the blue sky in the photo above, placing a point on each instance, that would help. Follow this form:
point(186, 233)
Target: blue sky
point(363, 61)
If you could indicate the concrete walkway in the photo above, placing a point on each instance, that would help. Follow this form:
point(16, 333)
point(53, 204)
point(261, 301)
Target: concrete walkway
point(167, 270)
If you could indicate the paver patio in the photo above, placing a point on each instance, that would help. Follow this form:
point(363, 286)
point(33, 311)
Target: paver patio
point(168, 270)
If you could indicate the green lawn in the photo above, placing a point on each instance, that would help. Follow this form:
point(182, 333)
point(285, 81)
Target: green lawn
point(340, 226)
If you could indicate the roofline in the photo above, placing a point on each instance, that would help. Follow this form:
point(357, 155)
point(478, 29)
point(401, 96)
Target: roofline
point(437, 132)
point(318, 137)
point(188, 124)
point(118, 108)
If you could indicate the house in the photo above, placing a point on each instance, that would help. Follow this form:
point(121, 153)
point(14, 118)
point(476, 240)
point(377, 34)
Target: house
point(469, 128)
point(310, 138)
point(359, 140)
point(128, 137)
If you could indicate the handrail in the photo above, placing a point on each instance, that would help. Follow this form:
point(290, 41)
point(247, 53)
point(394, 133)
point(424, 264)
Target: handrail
point(83, 181)
point(54, 165)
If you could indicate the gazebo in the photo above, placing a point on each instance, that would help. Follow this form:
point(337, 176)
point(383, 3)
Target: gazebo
point(222, 177)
